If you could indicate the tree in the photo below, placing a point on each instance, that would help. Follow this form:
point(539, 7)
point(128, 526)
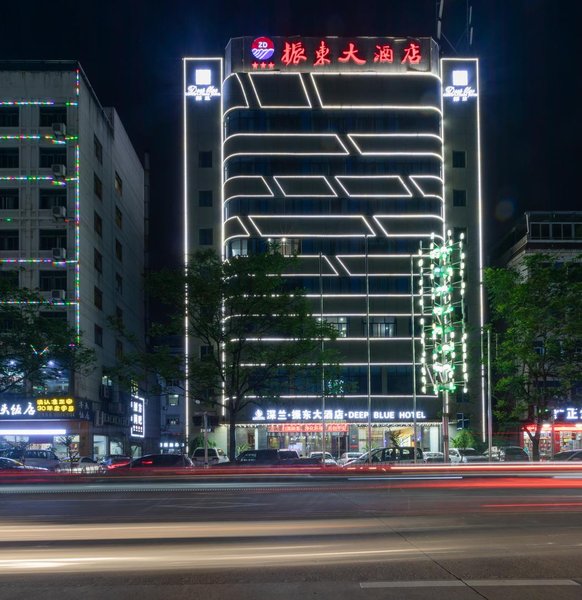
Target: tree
point(463, 440)
point(35, 347)
point(257, 334)
point(537, 315)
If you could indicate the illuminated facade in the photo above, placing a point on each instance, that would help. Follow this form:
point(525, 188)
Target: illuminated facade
point(349, 153)
point(72, 227)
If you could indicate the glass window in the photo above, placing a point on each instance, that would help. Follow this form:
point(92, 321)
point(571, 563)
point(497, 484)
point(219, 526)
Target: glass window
point(9, 239)
point(52, 280)
point(173, 399)
point(97, 260)
point(47, 157)
point(459, 159)
point(118, 217)
point(382, 327)
point(97, 186)
point(205, 198)
point(118, 283)
point(52, 238)
point(98, 335)
point(97, 224)
point(238, 247)
point(9, 158)
point(119, 250)
point(47, 115)
point(9, 116)
point(118, 184)
point(47, 199)
point(9, 279)
point(98, 298)
point(9, 199)
point(98, 147)
point(340, 324)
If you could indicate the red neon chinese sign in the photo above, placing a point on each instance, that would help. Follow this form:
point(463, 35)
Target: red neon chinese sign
point(351, 54)
point(293, 53)
point(307, 428)
point(411, 54)
point(321, 55)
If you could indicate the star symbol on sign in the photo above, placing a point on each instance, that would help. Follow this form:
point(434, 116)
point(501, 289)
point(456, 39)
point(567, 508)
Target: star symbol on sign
point(271, 65)
point(263, 65)
point(255, 65)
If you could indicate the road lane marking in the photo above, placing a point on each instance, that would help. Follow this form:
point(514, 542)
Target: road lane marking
point(469, 583)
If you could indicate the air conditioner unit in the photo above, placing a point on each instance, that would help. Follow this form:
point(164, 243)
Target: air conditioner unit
point(59, 170)
point(59, 253)
point(59, 212)
point(58, 294)
point(59, 129)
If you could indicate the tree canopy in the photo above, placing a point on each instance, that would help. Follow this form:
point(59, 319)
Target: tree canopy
point(537, 314)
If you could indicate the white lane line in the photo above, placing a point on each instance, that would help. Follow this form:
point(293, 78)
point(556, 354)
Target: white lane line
point(469, 583)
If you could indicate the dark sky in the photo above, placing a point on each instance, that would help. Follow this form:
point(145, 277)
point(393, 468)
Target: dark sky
point(131, 52)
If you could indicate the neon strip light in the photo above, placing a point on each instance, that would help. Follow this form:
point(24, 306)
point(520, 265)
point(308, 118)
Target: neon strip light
point(33, 431)
point(285, 136)
point(50, 138)
point(232, 237)
point(244, 95)
point(351, 137)
point(370, 256)
point(403, 235)
point(251, 75)
point(365, 178)
point(251, 218)
point(295, 177)
point(269, 195)
point(316, 274)
point(413, 179)
point(78, 241)
point(33, 261)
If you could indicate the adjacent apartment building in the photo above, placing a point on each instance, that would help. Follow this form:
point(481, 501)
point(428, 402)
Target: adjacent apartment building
point(350, 153)
point(72, 227)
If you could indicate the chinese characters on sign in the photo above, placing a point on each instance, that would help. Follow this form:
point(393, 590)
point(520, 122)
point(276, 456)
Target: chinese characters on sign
point(46, 408)
point(332, 51)
point(137, 417)
point(55, 405)
point(17, 409)
point(570, 413)
point(338, 414)
point(307, 428)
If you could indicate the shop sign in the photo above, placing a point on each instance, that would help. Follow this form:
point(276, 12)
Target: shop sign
point(202, 89)
point(337, 414)
point(569, 413)
point(460, 90)
point(137, 417)
point(308, 428)
point(46, 408)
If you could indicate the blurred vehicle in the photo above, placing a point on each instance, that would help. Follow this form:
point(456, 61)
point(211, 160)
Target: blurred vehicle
point(286, 454)
point(215, 456)
point(112, 462)
point(35, 458)
point(82, 464)
point(507, 454)
point(347, 456)
point(465, 455)
point(266, 456)
point(431, 457)
point(329, 459)
point(10, 465)
point(568, 455)
point(378, 456)
point(159, 461)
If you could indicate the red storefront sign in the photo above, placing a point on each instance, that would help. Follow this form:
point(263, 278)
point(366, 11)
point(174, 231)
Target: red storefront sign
point(307, 428)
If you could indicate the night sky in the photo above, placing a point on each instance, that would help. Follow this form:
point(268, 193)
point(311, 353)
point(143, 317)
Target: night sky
point(131, 52)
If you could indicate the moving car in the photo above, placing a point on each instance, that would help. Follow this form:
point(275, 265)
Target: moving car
point(215, 457)
point(9, 465)
point(507, 454)
point(113, 461)
point(82, 464)
point(329, 459)
point(269, 457)
point(465, 455)
point(568, 455)
point(432, 457)
point(35, 458)
point(159, 461)
point(378, 456)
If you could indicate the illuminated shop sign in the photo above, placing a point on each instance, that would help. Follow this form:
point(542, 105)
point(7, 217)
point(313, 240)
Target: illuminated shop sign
point(329, 52)
point(460, 90)
point(137, 417)
point(46, 408)
point(308, 428)
point(338, 414)
point(570, 413)
point(203, 88)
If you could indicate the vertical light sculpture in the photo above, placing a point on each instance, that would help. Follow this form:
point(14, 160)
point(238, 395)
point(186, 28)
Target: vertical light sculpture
point(442, 310)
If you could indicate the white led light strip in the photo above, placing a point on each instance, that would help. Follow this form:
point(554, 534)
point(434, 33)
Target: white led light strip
point(312, 177)
point(344, 151)
point(252, 218)
point(251, 75)
point(363, 178)
point(243, 92)
point(269, 195)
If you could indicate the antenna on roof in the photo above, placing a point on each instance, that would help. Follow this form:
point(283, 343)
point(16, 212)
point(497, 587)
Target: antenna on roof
point(455, 21)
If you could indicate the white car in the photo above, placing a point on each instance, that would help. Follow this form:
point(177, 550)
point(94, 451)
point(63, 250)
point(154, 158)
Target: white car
point(347, 456)
point(329, 459)
point(430, 457)
point(35, 458)
point(82, 464)
point(215, 456)
point(465, 455)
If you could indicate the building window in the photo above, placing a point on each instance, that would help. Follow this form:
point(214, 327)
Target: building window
point(173, 399)
point(9, 158)
point(47, 115)
point(172, 420)
point(98, 335)
point(382, 327)
point(9, 116)
point(118, 184)
point(98, 298)
point(97, 224)
point(118, 349)
point(47, 199)
point(239, 247)
point(52, 238)
point(459, 159)
point(9, 279)
point(52, 280)
point(205, 198)
point(118, 283)
point(340, 324)
point(119, 316)
point(55, 315)
point(47, 157)
point(98, 148)
point(119, 250)
point(290, 246)
point(205, 237)
point(205, 352)
point(459, 198)
point(205, 159)
point(118, 218)
point(97, 260)
point(9, 199)
point(9, 239)
point(97, 186)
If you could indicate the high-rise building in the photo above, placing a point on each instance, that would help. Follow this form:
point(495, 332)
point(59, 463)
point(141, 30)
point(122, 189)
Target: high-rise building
point(350, 153)
point(72, 227)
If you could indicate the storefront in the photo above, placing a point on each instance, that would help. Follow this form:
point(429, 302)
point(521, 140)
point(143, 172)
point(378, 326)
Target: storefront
point(564, 432)
point(346, 429)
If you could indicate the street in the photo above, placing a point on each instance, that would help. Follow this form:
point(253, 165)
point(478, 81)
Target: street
point(370, 537)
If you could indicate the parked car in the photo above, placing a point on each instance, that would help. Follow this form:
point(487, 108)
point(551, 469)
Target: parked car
point(9, 465)
point(35, 458)
point(82, 464)
point(270, 457)
point(215, 456)
point(507, 454)
point(286, 454)
point(432, 457)
point(329, 459)
point(568, 455)
point(113, 461)
point(156, 461)
point(378, 456)
point(465, 455)
point(347, 456)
